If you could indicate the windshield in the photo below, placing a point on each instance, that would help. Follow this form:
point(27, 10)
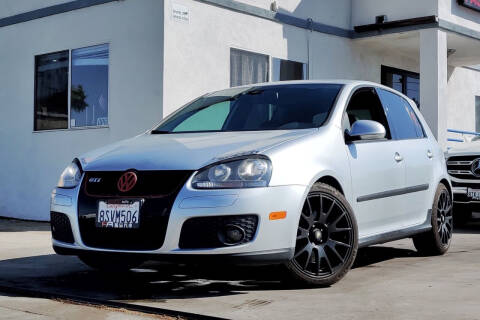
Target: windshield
point(276, 107)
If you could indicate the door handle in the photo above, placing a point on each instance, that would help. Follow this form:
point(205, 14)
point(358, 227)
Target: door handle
point(429, 154)
point(398, 157)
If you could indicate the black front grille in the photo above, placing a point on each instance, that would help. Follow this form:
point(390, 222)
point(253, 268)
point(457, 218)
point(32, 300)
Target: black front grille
point(461, 167)
point(157, 190)
point(149, 184)
point(202, 232)
point(61, 227)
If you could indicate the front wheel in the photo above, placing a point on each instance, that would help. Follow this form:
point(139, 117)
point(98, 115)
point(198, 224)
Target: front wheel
point(327, 238)
point(437, 240)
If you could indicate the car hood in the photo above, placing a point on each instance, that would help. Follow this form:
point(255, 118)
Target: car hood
point(183, 151)
point(465, 149)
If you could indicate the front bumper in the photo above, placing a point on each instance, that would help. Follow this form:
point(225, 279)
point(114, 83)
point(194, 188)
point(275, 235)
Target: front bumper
point(273, 242)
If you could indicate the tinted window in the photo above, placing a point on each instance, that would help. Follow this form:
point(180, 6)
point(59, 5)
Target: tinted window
point(402, 118)
point(365, 105)
point(283, 70)
point(51, 91)
point(256, 108)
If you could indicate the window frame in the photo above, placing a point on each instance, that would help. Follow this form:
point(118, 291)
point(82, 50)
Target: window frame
point(69, 88)
point(393, 132)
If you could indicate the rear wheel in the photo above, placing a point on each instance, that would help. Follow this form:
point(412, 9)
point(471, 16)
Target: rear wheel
point(110, 263)
point(437, 240)
point(327, 241)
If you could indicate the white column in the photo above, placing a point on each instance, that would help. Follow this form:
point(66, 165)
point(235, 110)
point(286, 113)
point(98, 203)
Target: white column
point(433, 81)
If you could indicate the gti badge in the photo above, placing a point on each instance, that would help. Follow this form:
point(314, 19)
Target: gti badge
point(476, 167)
point(95, 180)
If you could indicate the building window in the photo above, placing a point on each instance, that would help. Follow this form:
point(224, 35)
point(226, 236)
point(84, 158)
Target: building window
point(247, 67)
point(51, 91)
point(283, 70)
point(89, 94)
point(88, 82)
point(406, 82)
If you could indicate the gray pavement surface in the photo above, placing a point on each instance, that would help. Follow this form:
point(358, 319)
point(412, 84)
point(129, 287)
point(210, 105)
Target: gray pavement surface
point(389, 281)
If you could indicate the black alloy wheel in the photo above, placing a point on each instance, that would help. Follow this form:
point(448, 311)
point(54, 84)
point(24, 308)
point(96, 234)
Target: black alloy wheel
point(436, 241)
point(326, 243)
point(445, 217)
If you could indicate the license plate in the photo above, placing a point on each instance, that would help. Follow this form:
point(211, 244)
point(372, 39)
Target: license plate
point(123, 214)
point(473, 194)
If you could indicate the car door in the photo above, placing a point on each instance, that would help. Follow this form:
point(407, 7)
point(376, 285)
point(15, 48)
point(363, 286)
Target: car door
point(377, 170)
point(417, 154)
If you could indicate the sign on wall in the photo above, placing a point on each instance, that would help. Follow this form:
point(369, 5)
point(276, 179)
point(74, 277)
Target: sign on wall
point(472, 4)
point(180, 13)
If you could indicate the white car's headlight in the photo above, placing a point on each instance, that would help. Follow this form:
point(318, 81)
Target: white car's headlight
point(251, 172)
point(70, 177)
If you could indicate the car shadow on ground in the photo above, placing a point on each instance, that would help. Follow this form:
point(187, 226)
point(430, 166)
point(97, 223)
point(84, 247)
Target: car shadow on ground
point(157, 282)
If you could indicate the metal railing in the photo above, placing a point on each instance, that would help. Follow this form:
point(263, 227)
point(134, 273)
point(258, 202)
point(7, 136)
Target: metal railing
point(463, 133)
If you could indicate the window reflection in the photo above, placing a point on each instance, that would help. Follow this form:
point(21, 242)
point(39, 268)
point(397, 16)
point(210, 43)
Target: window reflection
point(89, 88)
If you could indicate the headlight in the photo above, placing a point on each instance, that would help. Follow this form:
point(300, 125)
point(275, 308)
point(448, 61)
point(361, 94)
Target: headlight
point(249, 172)
point(70, 177)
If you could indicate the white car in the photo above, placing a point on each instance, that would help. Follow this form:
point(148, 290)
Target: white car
point(294, 173)
point(463, 164)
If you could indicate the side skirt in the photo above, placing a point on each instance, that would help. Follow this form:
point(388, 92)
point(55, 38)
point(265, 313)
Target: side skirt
point(397, 234)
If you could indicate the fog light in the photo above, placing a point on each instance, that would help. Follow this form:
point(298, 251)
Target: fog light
point(231, 235)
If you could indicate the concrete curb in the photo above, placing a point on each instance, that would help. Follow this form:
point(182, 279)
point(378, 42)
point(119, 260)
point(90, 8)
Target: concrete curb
point(98, 302)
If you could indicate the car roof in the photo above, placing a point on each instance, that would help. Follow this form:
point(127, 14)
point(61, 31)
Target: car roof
point(350, 83)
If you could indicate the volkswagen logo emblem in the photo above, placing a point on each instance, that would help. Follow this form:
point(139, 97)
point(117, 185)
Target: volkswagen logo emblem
point(127, 181)
point(476, 167)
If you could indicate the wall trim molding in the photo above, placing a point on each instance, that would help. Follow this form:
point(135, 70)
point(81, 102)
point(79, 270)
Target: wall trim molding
point(50, 11)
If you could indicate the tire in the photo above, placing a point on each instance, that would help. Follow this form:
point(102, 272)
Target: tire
point(110, 263)
point(437, 240)
point(462, 215)
point(327, 238)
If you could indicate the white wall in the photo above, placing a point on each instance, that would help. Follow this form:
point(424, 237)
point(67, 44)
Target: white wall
point(336, 13)
point(32, 162)
point(365, 11)
point(463, 86)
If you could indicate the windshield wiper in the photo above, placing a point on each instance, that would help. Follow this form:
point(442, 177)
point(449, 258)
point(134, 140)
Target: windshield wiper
point(159, 132)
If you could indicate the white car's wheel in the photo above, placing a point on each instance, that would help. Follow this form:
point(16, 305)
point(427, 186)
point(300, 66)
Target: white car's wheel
point(327, 238)
point(437, 240)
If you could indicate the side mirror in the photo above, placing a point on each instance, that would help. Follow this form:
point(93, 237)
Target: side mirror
point(366, 130)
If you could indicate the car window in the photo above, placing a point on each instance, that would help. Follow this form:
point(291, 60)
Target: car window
point(401, 117)
point(365, 105)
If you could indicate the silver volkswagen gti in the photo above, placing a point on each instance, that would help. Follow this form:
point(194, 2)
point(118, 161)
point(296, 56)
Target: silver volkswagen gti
point(294, 173)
